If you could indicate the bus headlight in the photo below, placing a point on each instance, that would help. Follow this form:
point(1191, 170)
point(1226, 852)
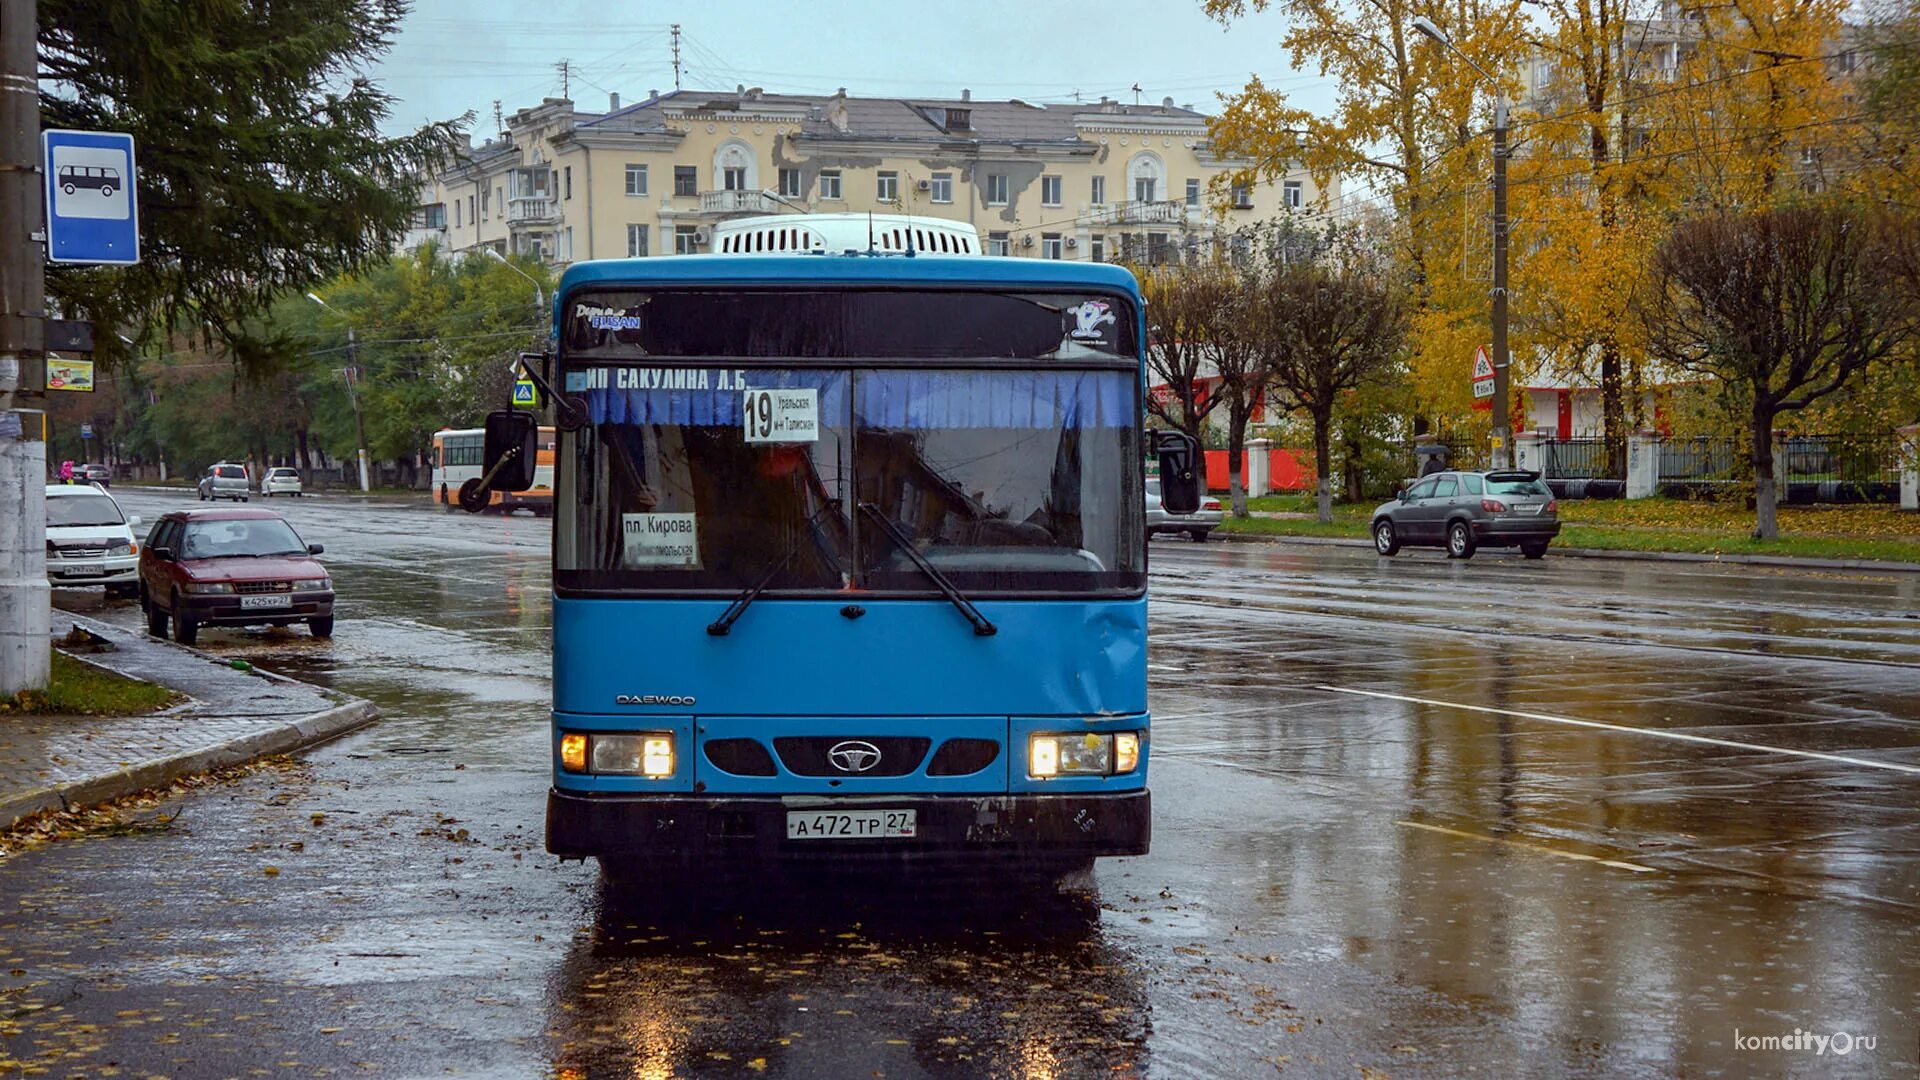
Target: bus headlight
point(573, 753)
point(1126, 751)
point(1071, 755)
point(641, 754)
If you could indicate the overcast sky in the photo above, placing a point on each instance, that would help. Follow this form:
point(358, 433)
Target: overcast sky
point(456, 55)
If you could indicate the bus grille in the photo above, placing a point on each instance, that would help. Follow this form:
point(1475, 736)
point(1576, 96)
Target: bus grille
point(741, 757)
point(963, 757)
point(900, 755)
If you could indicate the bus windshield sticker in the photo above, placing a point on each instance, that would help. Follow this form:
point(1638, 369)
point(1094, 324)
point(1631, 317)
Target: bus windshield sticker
point(637, 378)
point(781, 416)
point(655, 540)
point(1090, 321)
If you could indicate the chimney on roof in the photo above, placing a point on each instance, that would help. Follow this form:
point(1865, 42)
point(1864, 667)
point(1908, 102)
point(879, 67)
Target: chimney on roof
point(966, 94)
point(613, 102)
point(1107, 104)
point(837, 111)
point(653, 95)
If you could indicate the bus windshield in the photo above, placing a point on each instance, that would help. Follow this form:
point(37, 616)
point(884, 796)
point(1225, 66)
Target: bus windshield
point(1005, 481)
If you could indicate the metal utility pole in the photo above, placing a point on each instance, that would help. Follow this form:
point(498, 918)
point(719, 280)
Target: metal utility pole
point(676, 56)
point(25, 597)
point(1502, 433)
point(1502, 395)
point(351, 373)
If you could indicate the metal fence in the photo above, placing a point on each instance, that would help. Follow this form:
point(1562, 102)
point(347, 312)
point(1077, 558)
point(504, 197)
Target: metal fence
point(1585, 457)
point(1704, 459)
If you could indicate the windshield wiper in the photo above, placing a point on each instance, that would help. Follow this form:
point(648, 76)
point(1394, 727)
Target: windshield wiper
point(981, 625)
point(722, 625)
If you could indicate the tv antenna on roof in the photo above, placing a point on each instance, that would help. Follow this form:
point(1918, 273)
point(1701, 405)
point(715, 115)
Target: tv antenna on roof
point(676, 56)
point(1136, 93)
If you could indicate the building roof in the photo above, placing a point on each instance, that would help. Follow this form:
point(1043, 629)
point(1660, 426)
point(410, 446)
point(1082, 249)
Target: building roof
point(888, 119)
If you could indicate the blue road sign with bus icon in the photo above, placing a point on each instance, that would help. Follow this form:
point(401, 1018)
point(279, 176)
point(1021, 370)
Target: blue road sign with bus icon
point(92, 215)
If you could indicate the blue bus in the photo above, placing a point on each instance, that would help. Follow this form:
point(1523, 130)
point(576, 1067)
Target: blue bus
point(849, 562)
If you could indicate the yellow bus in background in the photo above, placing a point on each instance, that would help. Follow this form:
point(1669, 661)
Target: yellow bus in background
point(456, 463)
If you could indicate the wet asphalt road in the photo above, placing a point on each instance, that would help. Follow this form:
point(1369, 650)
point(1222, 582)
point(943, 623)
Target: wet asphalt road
point(1412, 818)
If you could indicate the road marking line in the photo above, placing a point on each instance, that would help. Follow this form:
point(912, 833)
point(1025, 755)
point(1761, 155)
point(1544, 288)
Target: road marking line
point(1541, 848)
point(1625, 730)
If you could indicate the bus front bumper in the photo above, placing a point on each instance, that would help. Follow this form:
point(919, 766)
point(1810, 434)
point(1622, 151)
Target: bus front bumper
point(698, 829)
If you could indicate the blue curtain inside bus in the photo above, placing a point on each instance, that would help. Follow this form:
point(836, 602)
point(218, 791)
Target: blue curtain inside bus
point(888, 399)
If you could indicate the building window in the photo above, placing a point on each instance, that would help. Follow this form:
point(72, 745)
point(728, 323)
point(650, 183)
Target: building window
point(566, 182)
point(435, 216)
point(1145, 188)
point(886, 187)
point(733, 178)
point(996, 243)
point(1050, 245)
point(636, 241)
point(1193, 193)
point(485, 210)
point(686, 180)
point(1243, 197)
point(1099, 190)
point(1049, 191)
point(470, 216)
point(636, 179)
point(686, 239)
point(1145, 171)
point(566, 244)
point(830, 183)
point(941, 187)
point(791, 186)
point(996, 189)
point(1158, 249)
point(456, 213)
point(1290, 193)
point(1097, 247)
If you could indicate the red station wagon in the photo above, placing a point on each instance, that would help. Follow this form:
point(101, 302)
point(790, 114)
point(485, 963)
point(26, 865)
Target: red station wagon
point(238, 567)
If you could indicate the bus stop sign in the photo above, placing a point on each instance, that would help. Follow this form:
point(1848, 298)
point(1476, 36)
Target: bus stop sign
point(92, 215)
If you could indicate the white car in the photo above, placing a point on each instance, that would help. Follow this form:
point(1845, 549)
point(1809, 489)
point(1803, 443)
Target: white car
point(280, 482)
point(90, 541)
point(1196, 525)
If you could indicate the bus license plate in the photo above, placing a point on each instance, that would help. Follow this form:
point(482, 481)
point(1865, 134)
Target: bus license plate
point(849, 824)
point(268, 601)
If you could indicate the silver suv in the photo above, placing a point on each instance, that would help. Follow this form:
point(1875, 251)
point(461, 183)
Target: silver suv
point(224, 481)
point(1461, 511)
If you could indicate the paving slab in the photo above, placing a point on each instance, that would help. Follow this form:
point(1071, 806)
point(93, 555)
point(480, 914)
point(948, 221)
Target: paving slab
point(229, 716)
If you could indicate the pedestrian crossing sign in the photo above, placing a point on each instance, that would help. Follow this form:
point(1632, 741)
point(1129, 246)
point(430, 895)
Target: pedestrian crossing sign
point(524, 394)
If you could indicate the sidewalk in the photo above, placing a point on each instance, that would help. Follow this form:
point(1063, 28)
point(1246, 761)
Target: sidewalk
point(1798, 562)
point(58, 762)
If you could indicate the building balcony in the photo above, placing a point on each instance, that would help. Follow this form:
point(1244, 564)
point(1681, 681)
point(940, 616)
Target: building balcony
point(1138, 212)
point(532, 210)
point(727, 203)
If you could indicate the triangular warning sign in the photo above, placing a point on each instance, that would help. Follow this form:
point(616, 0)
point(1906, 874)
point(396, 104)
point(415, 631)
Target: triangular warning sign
point(1482, 364)
point(523, 393)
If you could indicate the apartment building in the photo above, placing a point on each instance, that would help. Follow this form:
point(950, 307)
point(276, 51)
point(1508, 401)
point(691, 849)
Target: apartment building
point(1097, 182)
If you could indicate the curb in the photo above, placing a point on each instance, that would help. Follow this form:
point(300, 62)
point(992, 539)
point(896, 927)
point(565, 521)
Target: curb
point(308, 731)
point(1788, 561)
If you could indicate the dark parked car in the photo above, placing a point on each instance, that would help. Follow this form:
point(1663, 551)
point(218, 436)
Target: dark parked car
point(94, 474)
point(238, 567)
point(1461, 511)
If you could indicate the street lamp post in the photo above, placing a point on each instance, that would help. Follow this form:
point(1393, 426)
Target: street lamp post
point(352, 375)
point(539, 293)
point(1502, 436)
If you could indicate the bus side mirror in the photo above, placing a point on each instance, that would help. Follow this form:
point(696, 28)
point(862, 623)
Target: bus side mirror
point(1180, 471)
point(507, 456)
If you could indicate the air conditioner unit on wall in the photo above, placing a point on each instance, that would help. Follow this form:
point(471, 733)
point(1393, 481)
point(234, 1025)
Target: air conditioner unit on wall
point(702, 235)
point(1027, 240)
point(923, 185)
point(1072, 242)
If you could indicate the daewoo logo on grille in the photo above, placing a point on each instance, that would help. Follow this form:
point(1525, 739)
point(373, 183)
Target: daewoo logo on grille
point(653, 699)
